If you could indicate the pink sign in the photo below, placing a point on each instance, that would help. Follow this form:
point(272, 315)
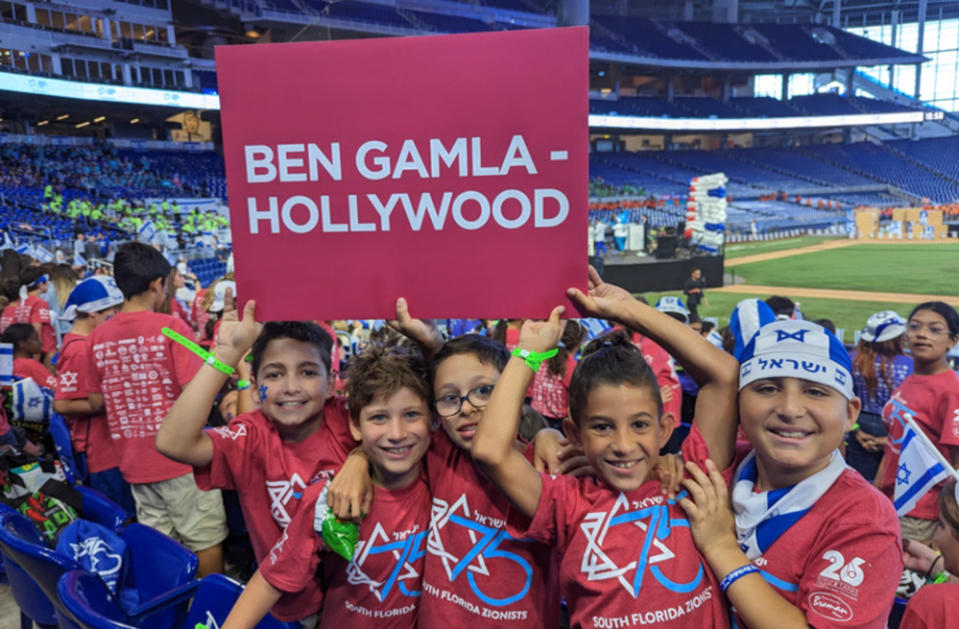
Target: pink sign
point(451, 170)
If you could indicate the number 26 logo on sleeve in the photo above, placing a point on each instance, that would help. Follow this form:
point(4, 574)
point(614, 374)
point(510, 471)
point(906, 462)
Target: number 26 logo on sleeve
point(838, 570)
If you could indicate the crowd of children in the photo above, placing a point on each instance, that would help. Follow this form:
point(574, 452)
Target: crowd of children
point(512, 477)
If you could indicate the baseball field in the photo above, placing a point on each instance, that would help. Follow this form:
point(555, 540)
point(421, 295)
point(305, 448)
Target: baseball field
point(836, 278)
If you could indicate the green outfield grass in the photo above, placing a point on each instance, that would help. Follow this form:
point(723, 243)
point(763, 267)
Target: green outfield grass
point(919, 268)
point(850, 315)
point(768, 246)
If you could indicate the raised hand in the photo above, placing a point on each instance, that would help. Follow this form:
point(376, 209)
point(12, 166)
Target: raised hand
point(422, 332)
point(236, 337)
point(541, 336)
point(603, 300)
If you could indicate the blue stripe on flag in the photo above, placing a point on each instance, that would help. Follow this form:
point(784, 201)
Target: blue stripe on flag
point(929, 478)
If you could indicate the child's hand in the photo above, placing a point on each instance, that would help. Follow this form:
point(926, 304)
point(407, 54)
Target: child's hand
point(423, 333)
point(710, 517)
point(541, 336)
point(235, 338)
point(603, 300)
point(350, 493)
point(919, 557)
point(573, 461)
point(669, 470)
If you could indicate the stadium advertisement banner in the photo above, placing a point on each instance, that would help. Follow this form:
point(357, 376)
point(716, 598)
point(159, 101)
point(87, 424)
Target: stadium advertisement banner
point(451, 170)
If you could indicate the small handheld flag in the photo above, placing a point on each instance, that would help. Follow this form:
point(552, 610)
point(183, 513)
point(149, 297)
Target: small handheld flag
point(921, 466)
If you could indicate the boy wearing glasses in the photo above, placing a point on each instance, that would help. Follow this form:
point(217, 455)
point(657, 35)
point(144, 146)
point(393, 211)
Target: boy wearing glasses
point(477, 574)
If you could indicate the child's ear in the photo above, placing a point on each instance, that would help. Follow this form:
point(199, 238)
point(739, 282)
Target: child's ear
point(667, 424)
point(571, 430)
point(853, 406)
point(355, 430)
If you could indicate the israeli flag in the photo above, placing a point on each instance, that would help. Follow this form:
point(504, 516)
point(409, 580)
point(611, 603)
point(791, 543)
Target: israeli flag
point(43, 255)
point(6, 364)
point(921, 466)
point(148, 232)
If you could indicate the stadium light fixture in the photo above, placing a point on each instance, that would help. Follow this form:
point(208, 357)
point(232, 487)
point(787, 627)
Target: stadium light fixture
point(99, 119)
point(107, 93)
point(63, 116)
point(134, 120)
point(80, 125)
point(43, 122)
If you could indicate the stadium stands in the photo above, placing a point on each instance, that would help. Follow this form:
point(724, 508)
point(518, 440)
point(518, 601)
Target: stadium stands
point(743, 107)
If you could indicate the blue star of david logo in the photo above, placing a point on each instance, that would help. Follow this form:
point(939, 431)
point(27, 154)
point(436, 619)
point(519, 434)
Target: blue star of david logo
point(902, 476)
point(34, 402)
point(798, 335)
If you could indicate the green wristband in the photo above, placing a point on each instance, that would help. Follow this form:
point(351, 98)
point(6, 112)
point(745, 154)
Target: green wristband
point(534, 359)
point(207, 357)
point(942, 577)
point(242, 385)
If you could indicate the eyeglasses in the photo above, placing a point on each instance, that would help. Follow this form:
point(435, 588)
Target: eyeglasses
point(935, 330)
point(451, 403)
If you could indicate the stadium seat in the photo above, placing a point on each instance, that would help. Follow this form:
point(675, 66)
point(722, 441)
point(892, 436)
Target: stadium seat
point(157, 573)
point(92, 606)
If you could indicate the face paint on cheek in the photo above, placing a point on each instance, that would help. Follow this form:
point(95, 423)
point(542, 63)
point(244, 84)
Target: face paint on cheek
point(262, 393)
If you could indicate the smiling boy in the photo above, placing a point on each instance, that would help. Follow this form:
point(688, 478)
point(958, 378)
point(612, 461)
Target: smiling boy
point(269, 455)
point(380, 587)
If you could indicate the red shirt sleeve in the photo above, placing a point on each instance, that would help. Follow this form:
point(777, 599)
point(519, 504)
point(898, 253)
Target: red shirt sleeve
point(40, 312)
point(932, 607)
point(549, 523)
point(72, 373)
point(234, 446)
point(294, 559)
point(852, 573)
point(949, 412)
point(185, 362)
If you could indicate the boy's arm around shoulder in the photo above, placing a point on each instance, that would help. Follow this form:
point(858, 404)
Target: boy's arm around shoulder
point(181, 436)
point(493, 445)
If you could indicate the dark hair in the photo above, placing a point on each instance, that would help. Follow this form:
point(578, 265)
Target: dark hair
point(708, 327)
point(302, 331)
point(826, 323)
point(942, 309)
point(18, 333)
point(10, 288)
point(29, 275)
point(531, 422)
point(382, 369)
point(135, 266)
point(864, 362)
point(10, 264)
point(612, 359)
point(486, 350)
point(949, 507)
point(781, 305)
point(572, 338)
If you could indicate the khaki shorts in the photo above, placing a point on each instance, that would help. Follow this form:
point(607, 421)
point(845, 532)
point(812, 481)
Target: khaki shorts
point(177, 508)
point(917, 529)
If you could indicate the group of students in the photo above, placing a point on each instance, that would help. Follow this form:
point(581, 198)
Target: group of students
point(459, 522)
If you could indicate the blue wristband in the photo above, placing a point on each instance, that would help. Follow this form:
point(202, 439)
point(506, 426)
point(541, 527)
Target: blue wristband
point(735, 575)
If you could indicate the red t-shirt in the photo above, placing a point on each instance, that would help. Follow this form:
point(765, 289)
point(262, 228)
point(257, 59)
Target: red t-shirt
point(933, 401)
point(33, 309)
point(270, 475)
point(90, 433)
point(199, 315)
point(477, 574)
point(31, 368)
point(664, 367)
point(140, 373)
point(550, 392)
point(626, 559)
point(839, 563)
point(380, 588)
point(40, 313)
point(932, 607)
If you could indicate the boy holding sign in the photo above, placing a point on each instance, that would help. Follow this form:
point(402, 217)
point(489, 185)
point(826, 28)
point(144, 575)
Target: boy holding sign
point(377, 583)
point(268, 455)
